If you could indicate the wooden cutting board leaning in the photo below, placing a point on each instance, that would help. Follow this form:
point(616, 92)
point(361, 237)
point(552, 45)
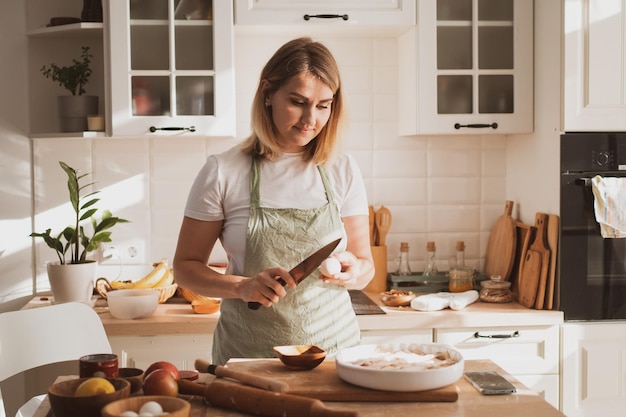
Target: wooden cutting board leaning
point(525, 235)
point(535, 267)
point(553, 244)
point(500, 254)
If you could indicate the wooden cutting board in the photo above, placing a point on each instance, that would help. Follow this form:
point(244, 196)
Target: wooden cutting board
point(553, 244)
point(324, 384)
point(500, 254)
point(525, 234)
point(531, 286)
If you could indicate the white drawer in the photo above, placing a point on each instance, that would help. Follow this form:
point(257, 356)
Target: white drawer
point(519, 351)
point(396, 336)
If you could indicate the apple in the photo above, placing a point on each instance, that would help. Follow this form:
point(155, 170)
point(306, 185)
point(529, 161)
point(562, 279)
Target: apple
point(160, 382)
point(168, 366)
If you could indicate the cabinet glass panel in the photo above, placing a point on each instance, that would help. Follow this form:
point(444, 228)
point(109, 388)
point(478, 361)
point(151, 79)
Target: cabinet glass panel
point(454, 10)
point(194, 47)
point(195, 96)
point(495, 10)
point(495, 94)
point(150, 96)
point(148, 9)
point(454, 94)
point(454, 47)
point(495, 47)
point(149, 48)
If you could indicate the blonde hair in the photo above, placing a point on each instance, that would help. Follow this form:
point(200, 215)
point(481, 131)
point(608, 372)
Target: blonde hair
point(295, 57)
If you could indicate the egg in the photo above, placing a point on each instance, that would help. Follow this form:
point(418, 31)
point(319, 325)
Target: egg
point(151, 408)
point(330, 267)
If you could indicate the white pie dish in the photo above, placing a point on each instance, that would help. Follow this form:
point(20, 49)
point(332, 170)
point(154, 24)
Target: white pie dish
point(410, 378)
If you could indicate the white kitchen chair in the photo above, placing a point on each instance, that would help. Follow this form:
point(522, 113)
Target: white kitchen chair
point(46, 335)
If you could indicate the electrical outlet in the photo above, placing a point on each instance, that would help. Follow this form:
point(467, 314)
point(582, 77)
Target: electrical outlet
point(125, 253)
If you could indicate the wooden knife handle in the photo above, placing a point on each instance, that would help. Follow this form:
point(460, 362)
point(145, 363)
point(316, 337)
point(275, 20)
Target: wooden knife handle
point(268, 404)
point(269, 384)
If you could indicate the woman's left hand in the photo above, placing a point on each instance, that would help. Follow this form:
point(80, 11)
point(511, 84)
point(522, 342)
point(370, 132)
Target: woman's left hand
point(350, 270)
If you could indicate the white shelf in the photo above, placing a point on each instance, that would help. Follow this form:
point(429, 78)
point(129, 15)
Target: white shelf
point(72, 29)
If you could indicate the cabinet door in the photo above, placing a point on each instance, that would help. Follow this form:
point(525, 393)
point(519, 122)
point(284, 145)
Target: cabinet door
point(474, 68)
point(350, 12)
point(594, 62)
point(519, 351)
point(142, 351)
point(171, 65)
point(594, 370)
point(381, 337)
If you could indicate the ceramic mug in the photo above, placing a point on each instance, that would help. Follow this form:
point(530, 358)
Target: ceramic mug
point(100, 364)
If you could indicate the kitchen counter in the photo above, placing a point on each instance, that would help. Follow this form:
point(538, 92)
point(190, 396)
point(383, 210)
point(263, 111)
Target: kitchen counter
point(470, 402)
point(177, 317)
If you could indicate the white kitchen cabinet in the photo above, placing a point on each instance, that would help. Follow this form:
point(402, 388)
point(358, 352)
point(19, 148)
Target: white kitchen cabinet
point(347, 13)
point(594, 96)
point(180, 349)
point(594, 369)
point(529, 353)
point(396, 337)
point(171, 67)
point(467, 68)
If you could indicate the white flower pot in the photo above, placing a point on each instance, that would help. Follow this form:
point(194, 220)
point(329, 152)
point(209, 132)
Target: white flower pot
point(72, 282)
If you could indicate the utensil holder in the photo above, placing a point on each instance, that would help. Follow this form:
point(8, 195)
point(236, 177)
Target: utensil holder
point(379, 282)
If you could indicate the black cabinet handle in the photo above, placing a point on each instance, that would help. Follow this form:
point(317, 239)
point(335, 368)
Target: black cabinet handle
point(476, 125)
point(308, 17)
point(477, 335)
point(172, 128)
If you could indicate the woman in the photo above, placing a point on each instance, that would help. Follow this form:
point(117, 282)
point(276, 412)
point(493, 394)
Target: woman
point(273, 201)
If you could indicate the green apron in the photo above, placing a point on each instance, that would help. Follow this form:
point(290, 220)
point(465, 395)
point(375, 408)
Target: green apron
point(314, 312)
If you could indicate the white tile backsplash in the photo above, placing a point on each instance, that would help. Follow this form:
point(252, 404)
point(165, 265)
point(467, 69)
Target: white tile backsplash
point(438, 188)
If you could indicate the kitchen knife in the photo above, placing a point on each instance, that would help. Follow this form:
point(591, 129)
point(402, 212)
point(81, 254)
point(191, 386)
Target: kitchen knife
point(305, 268)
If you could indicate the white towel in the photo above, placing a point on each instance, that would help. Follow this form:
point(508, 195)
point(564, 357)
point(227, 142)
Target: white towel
point(610, 205)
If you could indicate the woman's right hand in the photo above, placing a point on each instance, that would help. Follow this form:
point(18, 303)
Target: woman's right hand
point(266, 287)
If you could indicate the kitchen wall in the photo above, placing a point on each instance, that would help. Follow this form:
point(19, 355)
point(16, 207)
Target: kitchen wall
point(438, 188)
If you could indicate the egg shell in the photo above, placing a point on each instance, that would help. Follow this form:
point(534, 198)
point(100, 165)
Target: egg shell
point(330, 267)
point(129, 413)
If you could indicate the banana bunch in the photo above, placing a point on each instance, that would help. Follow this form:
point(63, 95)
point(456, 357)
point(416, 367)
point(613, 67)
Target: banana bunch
point(160, 276)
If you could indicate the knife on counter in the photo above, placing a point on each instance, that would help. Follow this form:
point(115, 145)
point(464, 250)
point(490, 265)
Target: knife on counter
point(305, 268)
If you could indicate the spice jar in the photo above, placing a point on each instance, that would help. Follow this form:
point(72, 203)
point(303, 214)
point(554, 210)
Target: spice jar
point(495, 290)
point(461, 279)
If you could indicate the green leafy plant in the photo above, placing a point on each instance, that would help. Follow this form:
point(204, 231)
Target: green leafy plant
point(74, 237)
point(72, 78)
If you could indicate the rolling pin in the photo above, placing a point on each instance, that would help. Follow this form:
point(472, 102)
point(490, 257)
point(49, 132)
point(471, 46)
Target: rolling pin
point(259, 402)
point(269, 384)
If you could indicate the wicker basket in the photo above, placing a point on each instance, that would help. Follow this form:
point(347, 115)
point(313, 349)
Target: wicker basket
point(165, 293)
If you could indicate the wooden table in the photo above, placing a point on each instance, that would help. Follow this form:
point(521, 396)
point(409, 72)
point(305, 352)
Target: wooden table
point(469, 404)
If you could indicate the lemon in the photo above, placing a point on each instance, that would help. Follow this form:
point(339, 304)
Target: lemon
point(94, 386)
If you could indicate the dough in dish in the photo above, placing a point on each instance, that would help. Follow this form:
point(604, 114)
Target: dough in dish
point(409, 358)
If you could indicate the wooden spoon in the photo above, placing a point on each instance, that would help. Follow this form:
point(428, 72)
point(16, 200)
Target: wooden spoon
point(383, 223)
point(372, 226)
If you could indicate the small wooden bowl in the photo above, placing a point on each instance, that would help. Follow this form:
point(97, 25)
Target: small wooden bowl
point(208, 306)
point(397, 298)
point(175, 407)
point(300, 357)
point(64, 403)
point(134, 376)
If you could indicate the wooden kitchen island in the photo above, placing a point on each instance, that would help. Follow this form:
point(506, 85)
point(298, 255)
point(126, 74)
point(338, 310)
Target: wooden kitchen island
point(470, 402)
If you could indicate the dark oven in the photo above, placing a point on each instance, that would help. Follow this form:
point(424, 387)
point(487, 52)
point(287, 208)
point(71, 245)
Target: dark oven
point(592, 277)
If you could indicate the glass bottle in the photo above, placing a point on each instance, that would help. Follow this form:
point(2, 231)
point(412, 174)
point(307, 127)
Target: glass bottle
point(460, 253)
point(403, 263)
point(431, 267)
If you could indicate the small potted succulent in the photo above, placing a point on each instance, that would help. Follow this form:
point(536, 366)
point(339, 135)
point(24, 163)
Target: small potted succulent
point(73, 270)
point(74, 108)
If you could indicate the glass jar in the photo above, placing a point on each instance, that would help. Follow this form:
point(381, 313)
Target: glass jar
point(495, 290)
point(461, 279)
point(403, 263)
point(431, 265)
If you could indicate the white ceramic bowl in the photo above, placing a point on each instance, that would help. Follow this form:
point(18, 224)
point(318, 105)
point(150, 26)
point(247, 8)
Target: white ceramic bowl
point(133, 304)
point(409, 379)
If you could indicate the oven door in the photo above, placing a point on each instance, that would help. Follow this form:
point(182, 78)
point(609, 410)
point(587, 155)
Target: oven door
point(592, 283)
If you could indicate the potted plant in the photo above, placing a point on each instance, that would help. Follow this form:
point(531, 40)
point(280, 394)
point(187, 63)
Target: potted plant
point(73, 109)
point(72, 277)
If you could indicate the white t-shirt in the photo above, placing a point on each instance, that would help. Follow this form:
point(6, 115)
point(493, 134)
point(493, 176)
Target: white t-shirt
point(221, 191)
